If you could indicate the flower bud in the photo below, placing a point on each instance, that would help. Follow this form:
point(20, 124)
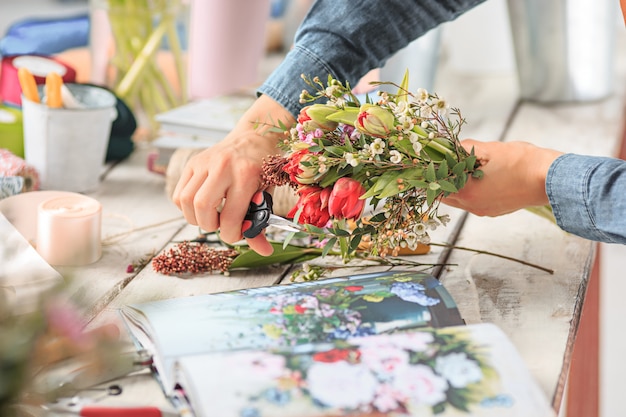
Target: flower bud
point(344, 201)
point(315, 116)
point(375, 121)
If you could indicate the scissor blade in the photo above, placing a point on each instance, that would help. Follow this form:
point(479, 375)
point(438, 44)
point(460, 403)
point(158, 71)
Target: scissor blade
point(284, 224)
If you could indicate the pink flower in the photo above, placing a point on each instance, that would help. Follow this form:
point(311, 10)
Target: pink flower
point(314, 204)
point(344, 201)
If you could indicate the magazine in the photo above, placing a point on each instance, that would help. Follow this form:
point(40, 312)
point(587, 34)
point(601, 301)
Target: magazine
point(194, 339)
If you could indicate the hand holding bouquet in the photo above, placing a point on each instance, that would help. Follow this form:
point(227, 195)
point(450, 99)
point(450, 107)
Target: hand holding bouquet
point(397, 157)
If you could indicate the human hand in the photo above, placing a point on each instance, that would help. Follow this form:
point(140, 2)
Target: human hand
point(217, 184)
point(514, 178)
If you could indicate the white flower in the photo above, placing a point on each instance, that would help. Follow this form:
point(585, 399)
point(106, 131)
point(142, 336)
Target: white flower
point(431, 135)
point(341, 385)
point(411, 240)
point(419, 229)
point(426, 111)
point(420, 384)
point(422, 94)
point(432, 224)
point(377, 147)
point(441, 105)
point(395, 157)
point(458, 369)
point(444, 219)
point(351, 159)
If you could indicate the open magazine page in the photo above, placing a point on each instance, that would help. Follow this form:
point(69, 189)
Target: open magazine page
point(456, 371)
point(288, 315)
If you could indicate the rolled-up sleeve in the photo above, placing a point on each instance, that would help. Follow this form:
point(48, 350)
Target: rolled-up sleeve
point(588, 196)
point(346, 39)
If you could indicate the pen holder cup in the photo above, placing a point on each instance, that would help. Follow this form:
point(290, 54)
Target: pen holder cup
point(68, 147)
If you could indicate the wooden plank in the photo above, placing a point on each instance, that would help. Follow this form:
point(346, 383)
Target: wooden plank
point(540, 313)
point(136, 221)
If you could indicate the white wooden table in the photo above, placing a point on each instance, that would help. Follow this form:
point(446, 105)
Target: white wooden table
point(539, 311)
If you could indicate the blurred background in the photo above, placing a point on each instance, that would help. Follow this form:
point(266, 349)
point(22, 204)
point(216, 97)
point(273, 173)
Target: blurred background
point(479, 42)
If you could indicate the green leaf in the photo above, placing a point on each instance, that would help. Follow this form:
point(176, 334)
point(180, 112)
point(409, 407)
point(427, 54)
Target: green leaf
point(420, 184)
point(448, 186)
point(381, 183)
point(470, 162)
point(288, 255)
point(404, 87)
point(335, 150)
point(430, 174)
point(442, 171)
point(458, 169)
point(431, 195)
point(329, 245)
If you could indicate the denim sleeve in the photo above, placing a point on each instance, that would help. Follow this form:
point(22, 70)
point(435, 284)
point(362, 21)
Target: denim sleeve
point(347, 38)
point(588, 196)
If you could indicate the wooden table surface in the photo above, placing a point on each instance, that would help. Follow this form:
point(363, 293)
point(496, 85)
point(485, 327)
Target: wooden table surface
point(538, 310)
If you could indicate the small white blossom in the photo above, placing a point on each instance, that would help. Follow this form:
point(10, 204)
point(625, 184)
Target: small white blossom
point(444, 219)
point(422, 94)
point(417, 147)
point(351, 159)
point(419, 229)
point(378, 147)
point(395, 157)
point(441, 105)
point(424, 124)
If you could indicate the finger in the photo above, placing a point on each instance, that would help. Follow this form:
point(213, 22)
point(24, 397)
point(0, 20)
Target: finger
point(180, 185)
point(188, 197)
point(260, 245)
point(208, 205)
point(235, 208)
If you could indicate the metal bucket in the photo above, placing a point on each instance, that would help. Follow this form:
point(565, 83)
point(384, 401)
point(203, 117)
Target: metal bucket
point(564, 48)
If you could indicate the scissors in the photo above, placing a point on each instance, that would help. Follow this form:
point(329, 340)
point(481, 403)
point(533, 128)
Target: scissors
point(259, 216)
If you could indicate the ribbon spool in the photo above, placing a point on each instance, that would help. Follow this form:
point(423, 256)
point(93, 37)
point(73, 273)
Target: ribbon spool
point(69, 230)
point(39, 66)
point(13, 166)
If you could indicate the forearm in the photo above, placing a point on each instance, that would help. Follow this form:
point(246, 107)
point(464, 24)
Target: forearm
point(588, 196)
point(328, 42)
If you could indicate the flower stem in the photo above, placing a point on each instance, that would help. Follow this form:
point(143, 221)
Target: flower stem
point(497, 255)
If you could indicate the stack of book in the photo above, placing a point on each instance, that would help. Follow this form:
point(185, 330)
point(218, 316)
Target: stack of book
point(198, 124)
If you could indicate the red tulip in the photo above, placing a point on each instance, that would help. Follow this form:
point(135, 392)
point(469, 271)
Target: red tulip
point(344, 201)
point(314, 203)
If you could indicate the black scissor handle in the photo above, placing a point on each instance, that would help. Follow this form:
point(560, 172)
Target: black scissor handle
point(258, 214)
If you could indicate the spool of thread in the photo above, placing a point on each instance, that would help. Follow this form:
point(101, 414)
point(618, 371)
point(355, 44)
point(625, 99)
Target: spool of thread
point(69, 230)
point(13, 166)
point(11, 130)
point(39, 66)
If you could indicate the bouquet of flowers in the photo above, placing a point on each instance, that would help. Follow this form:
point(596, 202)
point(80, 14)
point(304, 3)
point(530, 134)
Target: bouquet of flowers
point(398, 156)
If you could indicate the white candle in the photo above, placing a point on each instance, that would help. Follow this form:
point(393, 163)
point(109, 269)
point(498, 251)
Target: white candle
point(69, 229)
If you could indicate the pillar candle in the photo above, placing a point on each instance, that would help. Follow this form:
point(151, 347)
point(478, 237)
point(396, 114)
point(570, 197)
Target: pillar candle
point(69, 230)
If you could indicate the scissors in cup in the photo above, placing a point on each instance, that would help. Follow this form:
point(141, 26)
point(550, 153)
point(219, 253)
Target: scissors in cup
point(260, 215)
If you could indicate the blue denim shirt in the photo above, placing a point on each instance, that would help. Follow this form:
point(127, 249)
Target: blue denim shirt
point(347, 38)
point(588, 196)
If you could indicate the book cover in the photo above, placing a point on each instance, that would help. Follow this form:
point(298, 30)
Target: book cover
point(455, 371)
point(209, 119)
point(287, 316)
